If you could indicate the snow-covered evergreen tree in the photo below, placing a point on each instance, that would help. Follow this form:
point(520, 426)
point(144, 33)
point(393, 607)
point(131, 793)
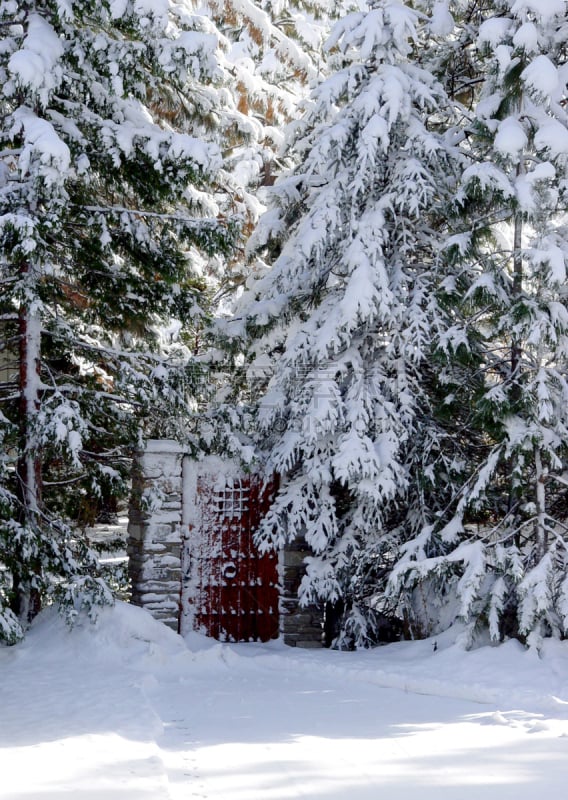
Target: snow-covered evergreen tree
point(348, 311)
point(274, 54)
point(501, 548)
point(108, 211)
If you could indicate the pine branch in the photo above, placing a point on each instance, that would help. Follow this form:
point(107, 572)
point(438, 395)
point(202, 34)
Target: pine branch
point(191, 221)
point(66, 482)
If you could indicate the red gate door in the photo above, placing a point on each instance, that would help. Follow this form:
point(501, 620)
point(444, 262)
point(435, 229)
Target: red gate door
point(232, 591)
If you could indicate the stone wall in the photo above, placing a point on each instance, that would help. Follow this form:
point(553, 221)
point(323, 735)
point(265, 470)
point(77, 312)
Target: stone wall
point(155, 530)
point(300, 626)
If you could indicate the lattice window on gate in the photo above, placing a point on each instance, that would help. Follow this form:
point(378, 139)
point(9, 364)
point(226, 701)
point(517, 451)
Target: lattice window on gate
point(234, 500)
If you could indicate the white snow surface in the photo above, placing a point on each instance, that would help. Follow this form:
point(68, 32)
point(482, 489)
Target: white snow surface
point(510, 138)
point(541, 75)
point(128, 710)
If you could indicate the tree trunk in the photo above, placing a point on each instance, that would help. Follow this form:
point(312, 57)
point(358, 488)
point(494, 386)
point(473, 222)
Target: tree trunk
point(515, 393)
point(541, 531)
point(29, 473)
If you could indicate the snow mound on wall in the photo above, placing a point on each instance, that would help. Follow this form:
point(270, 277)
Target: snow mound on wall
point(122, 632)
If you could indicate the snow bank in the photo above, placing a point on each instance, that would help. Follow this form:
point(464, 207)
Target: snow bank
point(505, 674)
point(121, 633)
point(127, 710)
point(437, 666)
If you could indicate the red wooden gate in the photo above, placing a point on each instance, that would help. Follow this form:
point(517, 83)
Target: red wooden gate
point(230, 591)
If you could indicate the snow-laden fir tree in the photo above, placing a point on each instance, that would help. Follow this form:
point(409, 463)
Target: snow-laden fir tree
point(347, 313)
point(273, 53)
point(501, 548)
point(108, 211)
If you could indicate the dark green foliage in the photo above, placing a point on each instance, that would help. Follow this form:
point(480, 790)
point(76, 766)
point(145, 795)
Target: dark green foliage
point(105, 230)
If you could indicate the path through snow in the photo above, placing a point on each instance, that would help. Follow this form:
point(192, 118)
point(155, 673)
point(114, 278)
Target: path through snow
point(128, 711)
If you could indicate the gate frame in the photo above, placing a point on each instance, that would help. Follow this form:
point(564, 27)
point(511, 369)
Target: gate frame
point(214, 478)
point(160, 520)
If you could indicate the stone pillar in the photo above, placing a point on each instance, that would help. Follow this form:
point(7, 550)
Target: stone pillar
point(155, 530)
point(301, 626)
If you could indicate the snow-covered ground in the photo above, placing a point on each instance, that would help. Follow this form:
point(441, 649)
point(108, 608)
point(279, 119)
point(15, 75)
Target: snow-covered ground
point(127, 710)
